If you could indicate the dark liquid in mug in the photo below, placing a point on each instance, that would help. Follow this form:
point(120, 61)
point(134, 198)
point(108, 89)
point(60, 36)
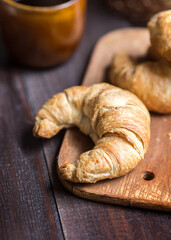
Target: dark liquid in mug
point(41, 3)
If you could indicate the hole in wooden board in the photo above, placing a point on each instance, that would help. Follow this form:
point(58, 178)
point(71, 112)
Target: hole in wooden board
point(148, 176)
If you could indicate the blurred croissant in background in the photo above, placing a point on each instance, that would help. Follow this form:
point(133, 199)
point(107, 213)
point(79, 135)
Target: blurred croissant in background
point(150, 80)
point(160, 33)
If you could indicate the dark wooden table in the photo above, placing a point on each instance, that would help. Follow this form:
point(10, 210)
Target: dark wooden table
point(28, 207)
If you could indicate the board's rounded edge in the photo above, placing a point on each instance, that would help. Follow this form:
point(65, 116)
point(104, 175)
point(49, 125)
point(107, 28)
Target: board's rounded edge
point(74, 189)
point(115, 32)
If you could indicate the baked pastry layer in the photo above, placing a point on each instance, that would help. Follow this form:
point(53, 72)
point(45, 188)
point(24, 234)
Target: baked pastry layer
point(115, 119)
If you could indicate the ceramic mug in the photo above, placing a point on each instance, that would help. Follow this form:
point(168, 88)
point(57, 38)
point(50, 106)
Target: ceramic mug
point(42, 36)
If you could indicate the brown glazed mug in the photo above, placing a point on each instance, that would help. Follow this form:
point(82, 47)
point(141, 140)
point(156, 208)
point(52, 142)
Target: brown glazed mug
point(42, 36)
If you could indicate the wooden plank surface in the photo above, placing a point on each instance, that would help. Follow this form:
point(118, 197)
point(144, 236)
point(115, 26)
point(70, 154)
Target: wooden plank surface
point(135, 188)
point(27, 206)
point(28, 166)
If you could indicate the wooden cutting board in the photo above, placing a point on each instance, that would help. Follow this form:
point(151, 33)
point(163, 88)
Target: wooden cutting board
point(149, 184)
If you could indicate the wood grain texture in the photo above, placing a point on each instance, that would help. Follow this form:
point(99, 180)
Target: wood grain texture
point(27, 207)
point(131, 189)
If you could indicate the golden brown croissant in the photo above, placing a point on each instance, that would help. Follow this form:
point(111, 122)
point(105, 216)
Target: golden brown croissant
point(160, 33)
point(116, 120)
point(150, 81)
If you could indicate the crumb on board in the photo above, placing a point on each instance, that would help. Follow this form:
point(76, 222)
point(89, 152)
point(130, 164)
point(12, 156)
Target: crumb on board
point(164, 119)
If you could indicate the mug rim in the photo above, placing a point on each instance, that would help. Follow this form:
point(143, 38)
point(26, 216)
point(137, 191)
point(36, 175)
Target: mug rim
point(39, 8)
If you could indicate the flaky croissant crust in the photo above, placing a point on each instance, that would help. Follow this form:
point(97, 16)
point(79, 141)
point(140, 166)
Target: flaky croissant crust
point(116, 120)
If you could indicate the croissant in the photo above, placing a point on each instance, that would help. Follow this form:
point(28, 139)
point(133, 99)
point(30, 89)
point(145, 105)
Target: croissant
point(115, 119)
point(150, 81)
point(160, 33)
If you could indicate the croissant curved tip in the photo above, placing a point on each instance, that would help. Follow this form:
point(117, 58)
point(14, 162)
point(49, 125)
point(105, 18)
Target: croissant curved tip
point(68, 172)
point(45, 129)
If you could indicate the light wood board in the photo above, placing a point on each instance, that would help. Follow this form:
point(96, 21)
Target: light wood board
point(131, 189)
